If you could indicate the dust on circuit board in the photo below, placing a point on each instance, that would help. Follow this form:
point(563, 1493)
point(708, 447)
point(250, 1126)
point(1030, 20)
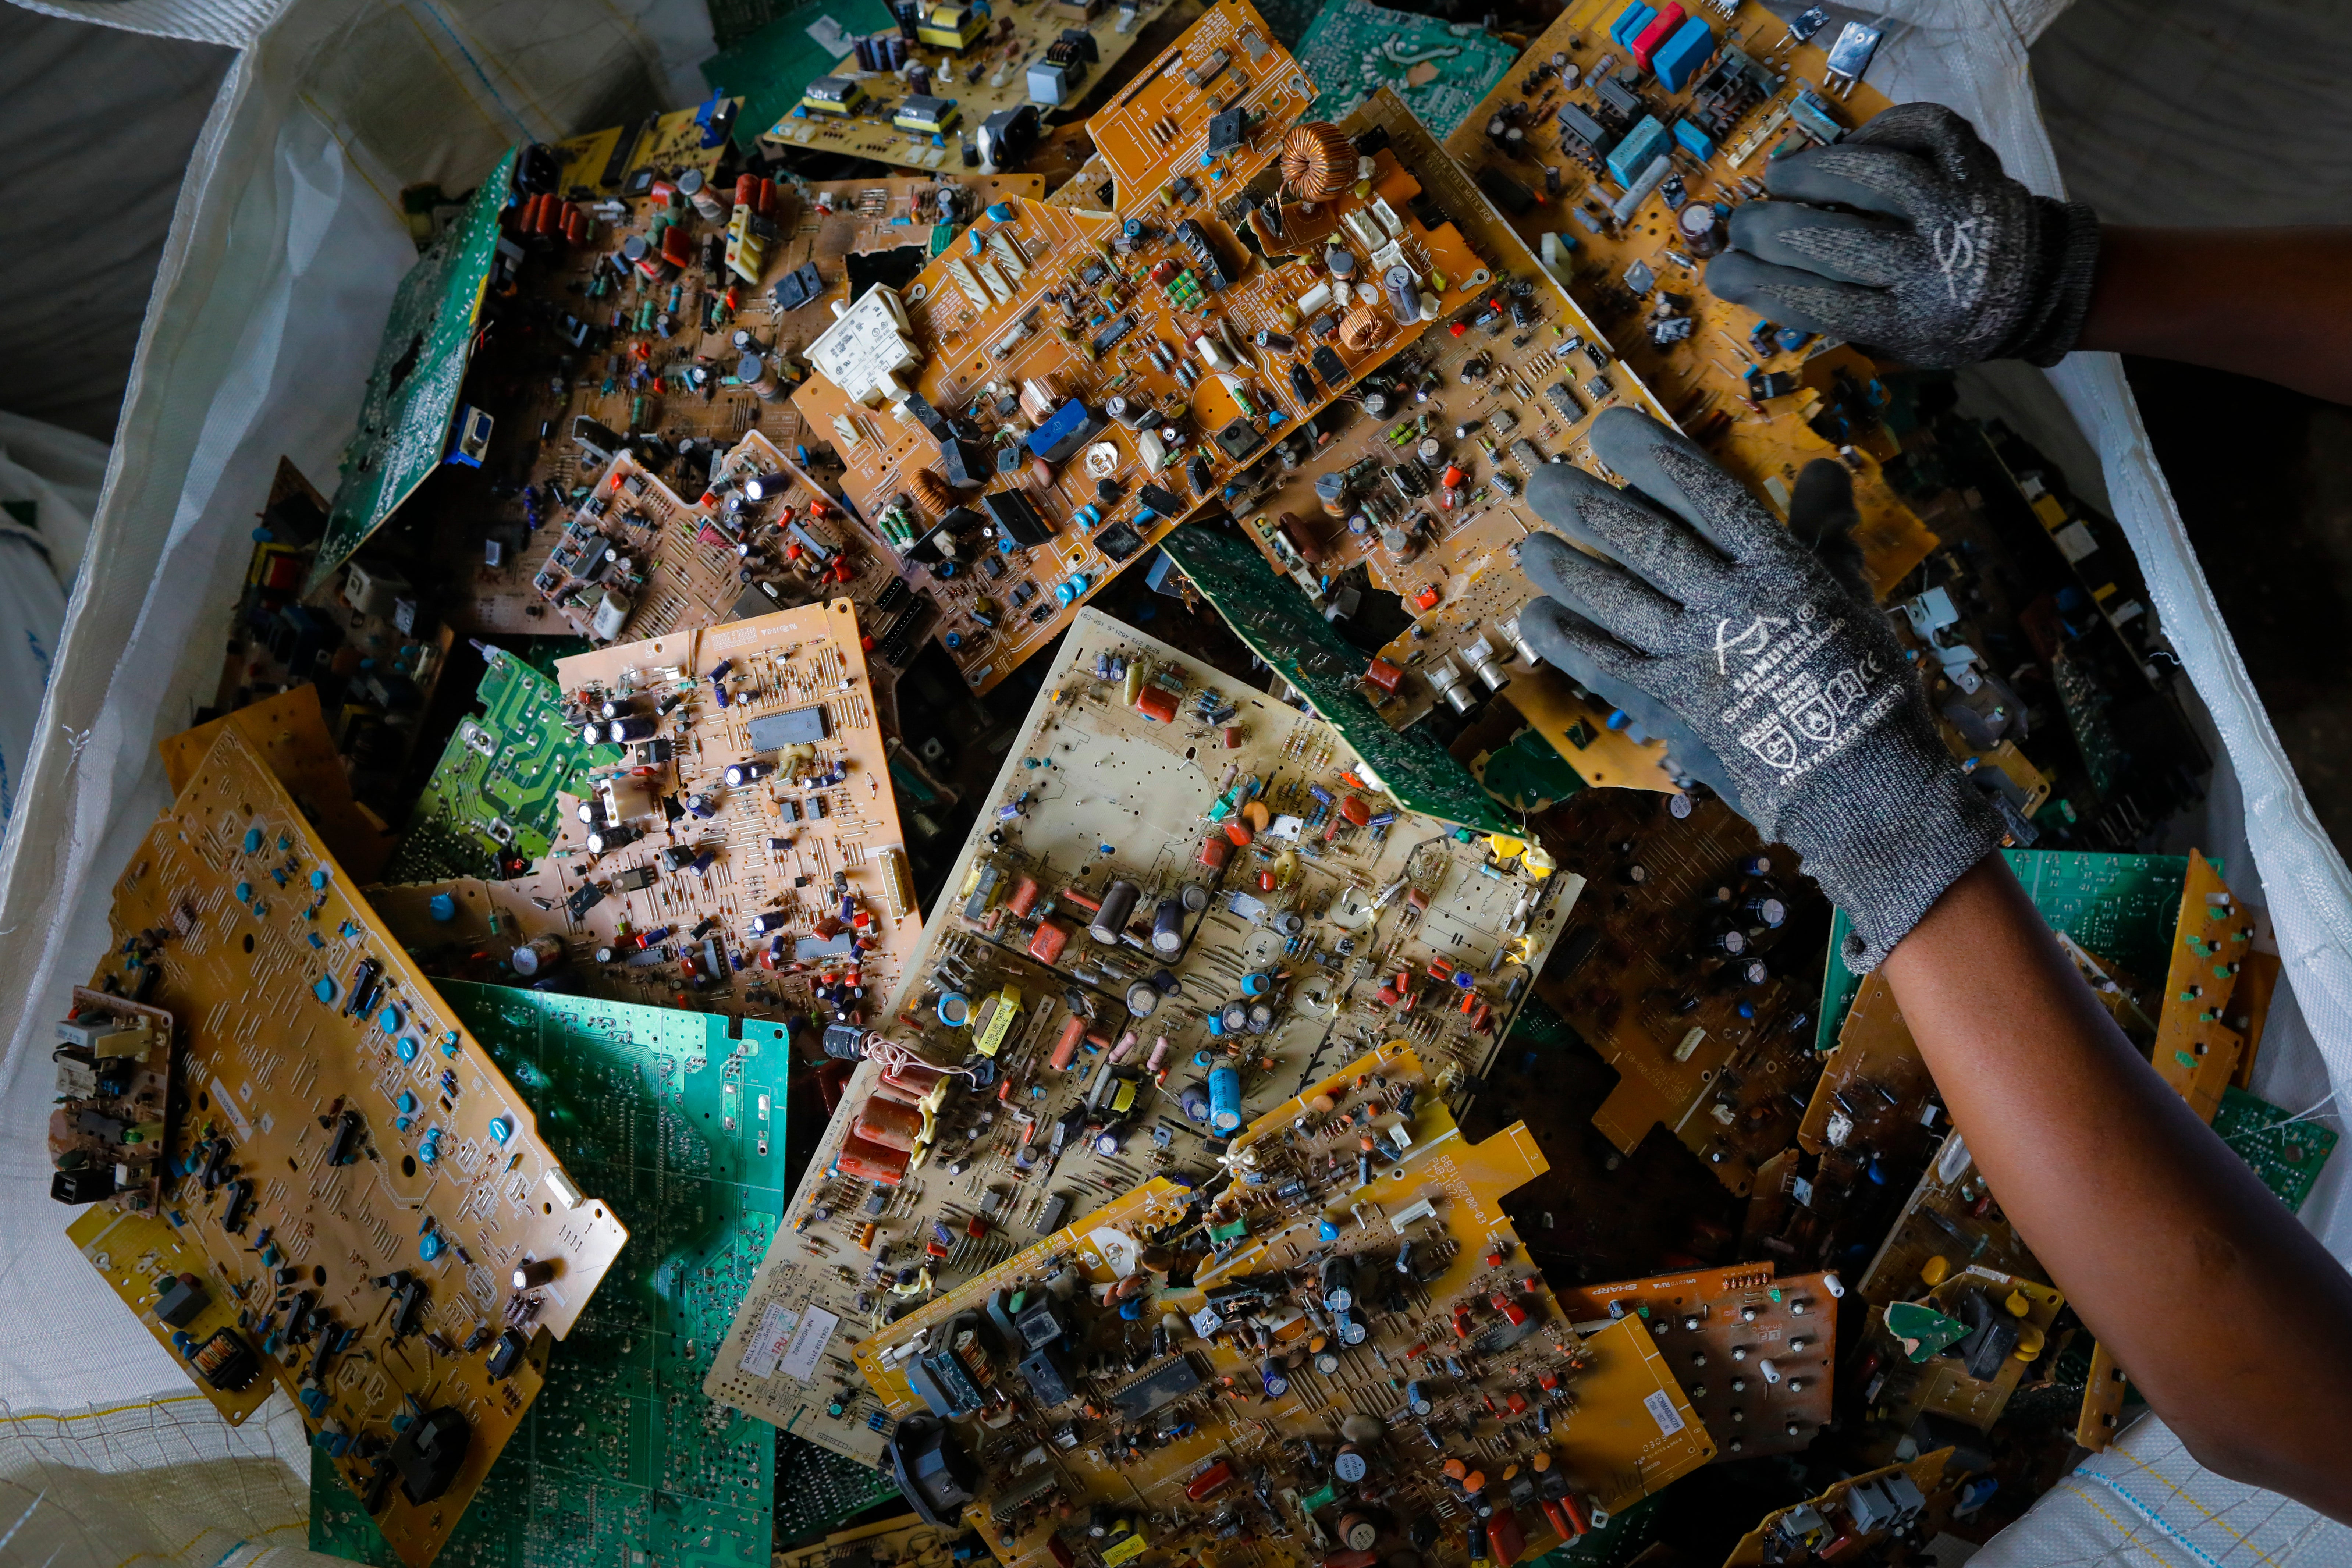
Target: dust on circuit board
point(1288, 918)
point(1081, 365)
point(743, 846)
point(973, 89)
point(1362, 1324)
point(313, 1042)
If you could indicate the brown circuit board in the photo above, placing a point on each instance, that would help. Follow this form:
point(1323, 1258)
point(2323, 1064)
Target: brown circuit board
point(114, 1060)
point(1167, 918)
point(1360, 1359)
point(1857, 1515)
point(1951, 1221)
point(1674, 974)
point(704, 357)
point(1755, 1353)
point(368, 633)
point(290, 734)
point(2013, 1313)
point(1640, 275)
point(905, 1542)
point(782, 893)
point(159, 1268)
point(981, 64)
point(972, 412)
point(1459, 400)
point(360, 1180)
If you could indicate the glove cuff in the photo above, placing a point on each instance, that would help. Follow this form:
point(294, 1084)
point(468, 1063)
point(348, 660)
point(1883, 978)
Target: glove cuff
point(1893, 834)
point(2070, 240)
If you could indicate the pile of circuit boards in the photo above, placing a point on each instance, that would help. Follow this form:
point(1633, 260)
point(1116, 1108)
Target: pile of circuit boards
point(853, 1022)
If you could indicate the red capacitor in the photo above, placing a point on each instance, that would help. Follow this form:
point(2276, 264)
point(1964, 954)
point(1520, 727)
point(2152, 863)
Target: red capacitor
point(1266, 882)
point(676, 249)
point(892, 1124)
point(766, 199)
point(1239, 834)
point(898, 1091)
point(1051, 938)
point(1065, 1048)
point(1064, 1556)
point(1081, 899)
point(1208, 1480)
point(1233, 737)
point(1505, 1543)
point(1216, 850)
point(1509, 1309)
point(1662, 28)
point(863, 1162)
point(575, 226)
point(1163, 270)
point(1384, 675)
point(914, 1077)
point(1353, 808)
point(1024, 897)
point(1351, 1560)
point(746, 189)
point(1156, 701)
point(1427, 598)
point(1389, 997)
point(1415, 898)
point(1453, 476)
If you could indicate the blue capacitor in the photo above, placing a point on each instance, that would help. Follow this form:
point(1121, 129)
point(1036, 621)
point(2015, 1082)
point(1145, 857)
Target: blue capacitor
point(1225, 1099)
point(1257, 983)
point(1217, 1022)
point(1195, 1102)
point(444, 908)
point(1270, 1373)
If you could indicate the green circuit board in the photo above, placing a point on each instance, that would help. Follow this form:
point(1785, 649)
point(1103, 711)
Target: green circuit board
point(2121, 907)
point(1442, 70)
point(490, 808)
point(420, 368)
point(817, 1489)
point(2286, 1153)
point(678, 1125)
point(1282, 628)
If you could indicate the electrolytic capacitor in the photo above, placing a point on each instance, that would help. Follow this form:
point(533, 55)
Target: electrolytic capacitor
point(1225, 1100)
point(1235, 1017)
point(746, 771)
point(531, 1274)
point(1765, 911)
point(1168, 927)
point(1701, 228)
point(1111, 918)
point(1275, 1381)
point(1336, 1276)
point(1403, 291)
point(632, 727)
point(604, 840)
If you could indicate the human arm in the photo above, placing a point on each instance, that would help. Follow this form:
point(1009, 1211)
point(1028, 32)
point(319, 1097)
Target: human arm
point(1907, 239)
point(2274, 303)
point(1771, 673)
point(2227, 1314)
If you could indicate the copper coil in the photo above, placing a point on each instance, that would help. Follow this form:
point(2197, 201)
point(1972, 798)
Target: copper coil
point(1364, 325)
point(932, 490)
point(1318, 161)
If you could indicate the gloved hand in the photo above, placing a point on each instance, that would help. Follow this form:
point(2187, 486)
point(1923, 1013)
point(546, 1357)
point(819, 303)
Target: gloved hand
point(1906, 240)
point(1767, 669)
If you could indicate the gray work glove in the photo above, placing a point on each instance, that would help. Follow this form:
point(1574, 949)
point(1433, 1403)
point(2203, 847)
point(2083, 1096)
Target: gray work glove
point(1906, 240)
point(1765, 666)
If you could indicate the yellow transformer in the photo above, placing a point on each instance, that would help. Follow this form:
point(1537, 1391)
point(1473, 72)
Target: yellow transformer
point(834, 95)
point(921, 112)
point(952, 28)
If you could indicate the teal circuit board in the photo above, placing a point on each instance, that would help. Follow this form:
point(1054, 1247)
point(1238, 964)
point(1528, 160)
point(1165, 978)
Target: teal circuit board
point(490, 808)
point(677, 1119)
point(420, 368)
point(2123, 908)
point(2285, 1152)
point(1282, 628)
point(1441, 69)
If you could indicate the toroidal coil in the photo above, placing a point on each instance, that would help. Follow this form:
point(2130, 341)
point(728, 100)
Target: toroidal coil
point(1364, 325)
point(1318, 161)
point(933, 492)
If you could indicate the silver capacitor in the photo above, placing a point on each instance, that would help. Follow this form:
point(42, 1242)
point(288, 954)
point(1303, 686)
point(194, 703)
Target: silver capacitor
point(1403, 291)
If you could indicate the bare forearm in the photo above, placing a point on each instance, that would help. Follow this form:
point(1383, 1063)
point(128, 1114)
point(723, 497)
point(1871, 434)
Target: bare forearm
point(2233, 1320)
point(2270, 303)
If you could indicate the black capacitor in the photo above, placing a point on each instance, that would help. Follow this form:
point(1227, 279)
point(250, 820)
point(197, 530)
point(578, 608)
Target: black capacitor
point(1235, 1017)
point(1338, 1278)
point(604, 840)
point(1168, 927)
point(1766, 909)
point(1729, 940)
point(1111, 918)
point(632, 727)
point(1280, 343)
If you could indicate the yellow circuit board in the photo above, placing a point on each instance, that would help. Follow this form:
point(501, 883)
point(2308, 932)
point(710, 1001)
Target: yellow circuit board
point(1901, 1389)
point(971, 413)
point(905, 1542)
point(1350, 1322)
point(143, 1258)
point(746, 854)
point(1168, 918)
point(1855, 1513)
point(290, 735)
point(1756, 1354)
point(2196, 1052)
point(357, 1176)
point(982, 66)
point(1748, 105)
point(1951, 1218)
